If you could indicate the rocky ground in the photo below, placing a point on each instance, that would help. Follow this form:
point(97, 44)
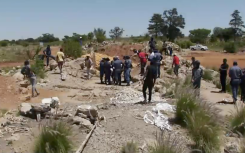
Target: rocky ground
point(122, 117)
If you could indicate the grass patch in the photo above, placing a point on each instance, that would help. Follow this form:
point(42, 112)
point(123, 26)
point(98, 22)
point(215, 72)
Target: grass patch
point(6, 69)
point(207, 75)
point(2, 112)
point(54, 138)
point(130, 147)
point(238, 120)
point(170, 71)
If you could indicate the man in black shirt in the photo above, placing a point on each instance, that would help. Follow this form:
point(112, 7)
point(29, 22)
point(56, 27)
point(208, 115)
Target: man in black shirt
point(149, 80)
point(223, 75)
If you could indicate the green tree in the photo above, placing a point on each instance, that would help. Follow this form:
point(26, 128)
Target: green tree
point(72, 49)
point(218, 33)
point(90, 36)
point(237, 24)
point(228, 33)
point(47, 38)
point(156, 25)
point(116, 33)
point(100, 34)
point(172, 23)
point(199, 35)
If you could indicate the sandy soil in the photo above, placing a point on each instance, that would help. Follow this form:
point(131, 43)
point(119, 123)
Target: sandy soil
point(214, 59)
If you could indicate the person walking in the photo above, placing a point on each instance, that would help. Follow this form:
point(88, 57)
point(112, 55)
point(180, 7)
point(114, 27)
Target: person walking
point(88, 65)
point(197, 74)
point(60, 59)
point(170, 50)
point(143, 61)
point(151, 56)
point(149, 80)
point(127, 69)
point(158, 57)
point(27, 72)
point(176, 65)
point(48, 54)
point(107, 67)
point(152, 44)
point(235, 74)
point(165, 48)
point(102, 70)
point(223, 75)
point(117, 68)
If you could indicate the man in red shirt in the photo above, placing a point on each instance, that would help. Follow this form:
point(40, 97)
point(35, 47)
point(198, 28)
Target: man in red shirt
point(176, 65)
point(143, 61)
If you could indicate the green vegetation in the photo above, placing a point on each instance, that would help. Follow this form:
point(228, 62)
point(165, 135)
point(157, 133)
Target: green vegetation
point(238, 121)
point(116, 33)
point(3, 43)
point(100, 35)
point(199, 35)
point(31, 54)
point(230, 47)
point(38, 68)
point(2, 112)
point(170, 71)
point(184, 44)
point(207, 75)
point(54, 138)
point(72, 49)
point(130, 147)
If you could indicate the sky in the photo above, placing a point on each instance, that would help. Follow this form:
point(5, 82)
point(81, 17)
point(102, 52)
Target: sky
point(21, 19)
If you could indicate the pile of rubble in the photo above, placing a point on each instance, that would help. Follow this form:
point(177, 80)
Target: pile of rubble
point(10, 72)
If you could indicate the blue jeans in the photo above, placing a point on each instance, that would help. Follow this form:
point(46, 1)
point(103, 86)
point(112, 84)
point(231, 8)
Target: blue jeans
point(234, 87)
point(47, 56)
point(127, 75)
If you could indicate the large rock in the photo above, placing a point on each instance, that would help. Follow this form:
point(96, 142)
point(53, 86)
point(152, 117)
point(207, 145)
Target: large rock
point(232, 147)
point(81, 121)
point(88, 110)
point(24, 83)
point(53, 64)
point(23, 90)
point(157, 88)
point(25, 108)
point(18, 76)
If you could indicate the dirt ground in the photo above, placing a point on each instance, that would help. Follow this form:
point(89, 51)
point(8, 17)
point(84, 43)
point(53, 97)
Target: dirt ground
point(212, 59)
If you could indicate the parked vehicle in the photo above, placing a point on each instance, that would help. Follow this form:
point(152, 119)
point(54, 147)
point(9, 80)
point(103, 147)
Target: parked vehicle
point(199, 47)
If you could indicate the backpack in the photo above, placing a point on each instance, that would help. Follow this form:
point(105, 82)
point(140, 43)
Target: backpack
point(26, 71)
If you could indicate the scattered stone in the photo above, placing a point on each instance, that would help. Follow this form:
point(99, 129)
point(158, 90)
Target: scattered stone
point(18, 76)
point(14, 137)
point(53, 64)
point(25, 108)
point(23, 90)
point(232, 147)
point(87, 110)
point(25, 98)
point(157, 88)
point(81, 121)
point(24, 83)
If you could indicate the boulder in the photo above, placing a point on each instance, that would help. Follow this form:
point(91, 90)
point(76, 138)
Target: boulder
point(14, 137)
point(18, 76)
point(24, 83)
point(23, 90)
point(81, 121)
point(157, 88)
point(25, 98)
point(25, 108)
point(164, 91)
point(88, 110)
point(53, 64)
point(232, 147)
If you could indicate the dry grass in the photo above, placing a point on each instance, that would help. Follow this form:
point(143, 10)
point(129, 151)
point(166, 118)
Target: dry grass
point(238, 120)
point(130, 147)
point(207, 75)
point(2, 112)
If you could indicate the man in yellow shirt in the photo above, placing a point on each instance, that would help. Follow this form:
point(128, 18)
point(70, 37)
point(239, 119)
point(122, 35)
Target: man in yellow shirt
point(60, 59)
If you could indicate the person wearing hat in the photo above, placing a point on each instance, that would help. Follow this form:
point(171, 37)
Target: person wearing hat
point(88, 65)
point(235, 74)
point(197, 74)
point(223, 75)
point(176, 65)
point(102, 70)
point(107, 67)
point(80, 41)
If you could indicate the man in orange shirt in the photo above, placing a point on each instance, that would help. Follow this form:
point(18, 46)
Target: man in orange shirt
point(143, 61)
point(176, 65)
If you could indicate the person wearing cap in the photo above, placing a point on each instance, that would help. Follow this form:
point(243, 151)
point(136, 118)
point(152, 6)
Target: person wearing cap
point(197, 74)
point(127, 69)
point(107, 67)
point(176, 65)
point(223, 75)
point(102, 70)
point(117, 68)
point(80, 41)
point(143, 61)
point(88, 65)
point(235, 74)
point(60, 59)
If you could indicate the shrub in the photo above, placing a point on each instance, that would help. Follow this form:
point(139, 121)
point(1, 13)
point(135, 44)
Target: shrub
point(230, 47)
point(238, 120)
point(3, 43)
point(100, 35)
point(187, 81)
point(31, 54)
point(54, 138)
point(167, 144)
point(207, 75)
point(2, 112)
point(184, 44)
point(72, 49)
point(130, 147)
point(38, 68)
point(170, 71)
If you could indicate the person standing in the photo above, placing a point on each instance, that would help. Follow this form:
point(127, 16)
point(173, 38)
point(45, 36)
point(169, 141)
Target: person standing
point(143, 61)
point(197, 74)
point(107, 68)
point(158, 57)
point(176, 65)
point(151, 56)
point(60, 59)
point(235, 74)
point(47, 52)
point(117, 68)
point(102, 70)
point(88, 65)
point(149, 80)
point(164, 48)
point(26, 71)
point(80, 41)
point(152, 43)
point(223, 75)
point(127, 69)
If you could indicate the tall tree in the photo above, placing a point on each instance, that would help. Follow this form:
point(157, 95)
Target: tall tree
point(47, 38)
point(156, 25)
point(237, 24)
point(90, 36)
point(199, 35)
point(217, 32)
point(100, 35)
point(172, 23)
point(116, 33)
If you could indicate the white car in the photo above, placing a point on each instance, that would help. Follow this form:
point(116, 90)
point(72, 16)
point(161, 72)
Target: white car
point(199, 47)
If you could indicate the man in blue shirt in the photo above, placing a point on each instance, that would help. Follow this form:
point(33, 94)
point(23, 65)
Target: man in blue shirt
point(235, 74)
point(117, 67)
point(47, 52)
point(127, 69)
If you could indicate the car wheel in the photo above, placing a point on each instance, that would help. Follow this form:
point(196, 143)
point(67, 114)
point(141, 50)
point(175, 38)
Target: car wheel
point(202, 49)
point(192, 49)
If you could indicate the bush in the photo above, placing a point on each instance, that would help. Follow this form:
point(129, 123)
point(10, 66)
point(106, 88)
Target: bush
point(31, 54)
point(207, 75)
point(238, 121)
point(2, 112)
point(184, 44)
point(3, 43)
point(187, 81)
point(72, 49)
point(38, 68)
point(54, 138)
point(230, 47)
point(130, 147)
point(167, 144)
point(170, 71)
